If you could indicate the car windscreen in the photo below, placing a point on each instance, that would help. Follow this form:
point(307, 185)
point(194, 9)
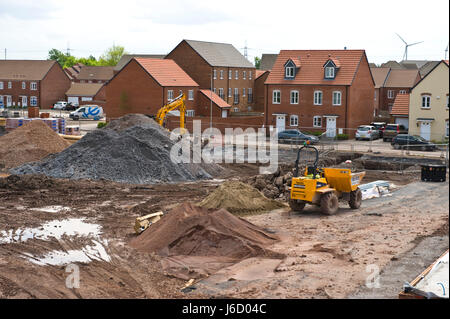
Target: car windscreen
point(391, 127)
point(363, 128)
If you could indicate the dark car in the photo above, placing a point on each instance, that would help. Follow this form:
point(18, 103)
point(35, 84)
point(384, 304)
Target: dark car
point(392, 130)
point(380, 127)
point(405, 141)
point(70, 107)
point(289, 136)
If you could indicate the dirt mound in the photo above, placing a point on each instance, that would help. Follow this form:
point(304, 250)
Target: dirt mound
point(196, 241)
point(240, 199)
point(130, 120)
point(26, 182)
point(29, 143)
point(139, 154)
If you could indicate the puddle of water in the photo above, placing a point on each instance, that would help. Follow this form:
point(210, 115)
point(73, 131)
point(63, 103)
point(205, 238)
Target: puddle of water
point(55, 228)
point(52, 209)
point(84, 255)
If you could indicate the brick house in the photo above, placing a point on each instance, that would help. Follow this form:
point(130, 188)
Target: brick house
point(127, 57)
point(32, 83)
point(400, 110)
point(220, 67)
point(206, 100)
point(320, 90)
point(388, 83)
point(94, 74)
point(86, 93)
point(260, 78)
point(144, 85)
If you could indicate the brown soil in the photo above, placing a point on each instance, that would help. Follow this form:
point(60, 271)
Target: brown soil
point(29, 143)
point(189, 230)
point(240, 199)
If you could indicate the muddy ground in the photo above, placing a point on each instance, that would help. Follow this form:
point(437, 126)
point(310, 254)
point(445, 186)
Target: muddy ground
point(327, 255)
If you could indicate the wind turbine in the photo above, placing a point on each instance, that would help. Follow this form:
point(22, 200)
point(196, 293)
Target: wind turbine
point(405, 55)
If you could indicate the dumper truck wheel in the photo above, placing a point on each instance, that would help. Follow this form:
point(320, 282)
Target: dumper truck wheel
point(329, 203)
point(296, 205)
point(355, 199)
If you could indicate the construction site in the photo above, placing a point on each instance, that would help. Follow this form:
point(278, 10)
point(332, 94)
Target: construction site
point(140, 226)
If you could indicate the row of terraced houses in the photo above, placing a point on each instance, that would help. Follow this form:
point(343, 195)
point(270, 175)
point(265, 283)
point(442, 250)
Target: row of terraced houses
point(332, 91)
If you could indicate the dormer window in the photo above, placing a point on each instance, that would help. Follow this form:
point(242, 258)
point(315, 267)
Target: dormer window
point(289, 72)
point(329, 72)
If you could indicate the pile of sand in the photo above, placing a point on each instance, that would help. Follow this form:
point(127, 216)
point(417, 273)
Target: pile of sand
point(240, 199)
point(133, 149)
point(29, 143)
point(196, 242)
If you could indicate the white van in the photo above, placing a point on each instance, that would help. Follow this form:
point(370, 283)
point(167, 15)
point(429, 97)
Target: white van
point(93, 112)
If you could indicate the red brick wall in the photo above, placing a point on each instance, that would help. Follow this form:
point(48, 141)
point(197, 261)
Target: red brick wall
point(204, 107)
point(361, 93)
point(143, 94)
point(217, 122)
point(54, 86)
point(387, 103)
point(306, 109)
point(259, 95)
point(201, 72)
point(16, 92)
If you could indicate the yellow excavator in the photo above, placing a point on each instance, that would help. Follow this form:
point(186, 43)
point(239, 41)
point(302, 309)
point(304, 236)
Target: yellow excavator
point(173, 105)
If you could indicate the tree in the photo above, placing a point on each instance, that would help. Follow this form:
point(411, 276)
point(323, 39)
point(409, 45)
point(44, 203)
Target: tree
point(57, 55)
point(112, 56)
point(257, 62)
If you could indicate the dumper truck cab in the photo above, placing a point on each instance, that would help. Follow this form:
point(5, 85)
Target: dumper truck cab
point(93, 112)
point(324, 187)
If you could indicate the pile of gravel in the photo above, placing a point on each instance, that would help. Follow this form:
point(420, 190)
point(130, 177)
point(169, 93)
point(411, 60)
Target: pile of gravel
point(138, 154)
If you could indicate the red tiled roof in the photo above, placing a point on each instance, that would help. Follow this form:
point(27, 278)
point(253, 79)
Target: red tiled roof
point(401, 105)
point(215, 98)
point(446, 61)
point(259, 73)
point(312, 61)
point(166, 72)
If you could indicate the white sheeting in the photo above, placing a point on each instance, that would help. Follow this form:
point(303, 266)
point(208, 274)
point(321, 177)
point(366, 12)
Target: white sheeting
point(436, 281)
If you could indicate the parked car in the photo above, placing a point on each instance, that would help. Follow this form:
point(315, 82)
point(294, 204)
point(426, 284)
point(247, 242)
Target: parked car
point(296, 136)
point(405, 141)
point(93, 112)
point(392, 130)
point(70, 107)
point(379, 126)
point(60, 105)
point(368, 132)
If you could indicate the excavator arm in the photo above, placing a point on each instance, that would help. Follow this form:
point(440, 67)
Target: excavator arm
point(174, 104)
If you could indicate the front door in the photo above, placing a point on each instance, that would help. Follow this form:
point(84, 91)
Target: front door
point(425, 130)
point(281, 123)
point(24, 101)
point(8, 100)
point(331, 127)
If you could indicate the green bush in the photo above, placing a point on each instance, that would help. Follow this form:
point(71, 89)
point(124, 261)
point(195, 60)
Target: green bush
point(101, 124)
point(342, 136)
point(313, 133)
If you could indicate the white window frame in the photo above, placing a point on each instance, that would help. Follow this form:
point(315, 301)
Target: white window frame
point(402, 92)
point(243, 92)
point(236, 109)
point(191, 95)
point(221, 74)
point(214, 90)
point(190, 113)
point(329, 72)
point(236, 96)
point(289, 72)
point(276, 97)
point(230, 92)
point(318, 93)
point(221, 93)
point(33, 101)
point(33, 86)
point(9, 85)
point(215, 74)
point(249, 75)
point(230, 74)
point(425, 98)
point(24, 100)
point(337, 93)
point(293, 120)
point(244, 75)
point(295, 97)
point(169, 95)
point(446, 128)
point(375, 95)
point(1, 85)
point(316, 120)
point(24, 85)
point(390, 94)
point(236, 75)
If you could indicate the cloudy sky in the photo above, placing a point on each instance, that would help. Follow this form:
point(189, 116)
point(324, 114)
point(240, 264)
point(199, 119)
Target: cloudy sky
point(30, 28)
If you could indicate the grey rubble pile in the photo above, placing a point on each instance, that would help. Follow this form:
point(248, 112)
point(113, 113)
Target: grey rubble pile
point(133, 149)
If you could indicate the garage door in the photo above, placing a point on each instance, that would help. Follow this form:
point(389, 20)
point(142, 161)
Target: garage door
point(403, 121)
point(73, 100)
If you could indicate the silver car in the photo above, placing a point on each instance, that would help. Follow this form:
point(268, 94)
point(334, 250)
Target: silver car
point(367, 132)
